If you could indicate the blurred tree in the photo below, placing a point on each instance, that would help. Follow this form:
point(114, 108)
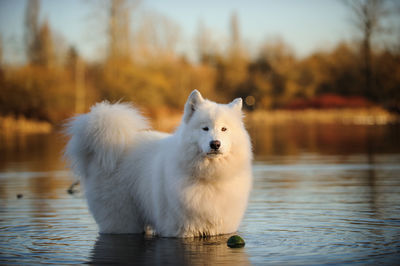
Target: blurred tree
point(36, 92)
point(387, 78)
point(32, 30)
point(38, 38)
point(2, 83)
point(232, 71)
point(340, 72)
point(144, 66)
point(236, 43)
point(76, 67)
point(1, 52)
point(368, 18)
point(156, 39)
point(272, 74)
point(119, 30)
point(45, 49)
point(206, 48)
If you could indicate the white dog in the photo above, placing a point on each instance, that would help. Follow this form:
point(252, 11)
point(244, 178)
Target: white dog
point(194, 182)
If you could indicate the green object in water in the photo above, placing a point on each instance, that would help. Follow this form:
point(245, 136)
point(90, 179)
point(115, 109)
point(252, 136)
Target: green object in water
point(236, 242)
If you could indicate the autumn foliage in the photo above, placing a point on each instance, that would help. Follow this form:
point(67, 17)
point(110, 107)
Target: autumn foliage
point(144, 67)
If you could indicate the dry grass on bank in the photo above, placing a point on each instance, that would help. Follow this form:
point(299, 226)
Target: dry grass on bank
point(12, 125)
point(365, 116)
point(168, 120)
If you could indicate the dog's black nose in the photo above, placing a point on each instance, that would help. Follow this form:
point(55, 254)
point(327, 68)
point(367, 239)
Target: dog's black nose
point(215, 144)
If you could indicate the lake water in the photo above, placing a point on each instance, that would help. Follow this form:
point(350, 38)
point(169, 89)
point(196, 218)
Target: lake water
point(323, 194)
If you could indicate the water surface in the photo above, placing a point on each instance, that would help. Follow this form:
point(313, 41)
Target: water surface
point(323, 194)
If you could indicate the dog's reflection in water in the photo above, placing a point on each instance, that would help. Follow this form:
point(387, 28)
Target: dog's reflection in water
point(140, 250)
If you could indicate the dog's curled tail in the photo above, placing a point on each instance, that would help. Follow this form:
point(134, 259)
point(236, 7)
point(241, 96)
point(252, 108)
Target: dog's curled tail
point(101, 136)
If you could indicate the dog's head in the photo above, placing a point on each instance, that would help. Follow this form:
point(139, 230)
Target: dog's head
point(212, 129)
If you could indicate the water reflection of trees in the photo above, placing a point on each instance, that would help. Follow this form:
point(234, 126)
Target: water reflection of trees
point(43, 152)
point(296, 138)
point(31, 152)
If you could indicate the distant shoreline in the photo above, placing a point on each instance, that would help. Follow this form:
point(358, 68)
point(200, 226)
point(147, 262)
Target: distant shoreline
point(168, 122)
point(13, 125)
point(353, 116)
point(350, 116)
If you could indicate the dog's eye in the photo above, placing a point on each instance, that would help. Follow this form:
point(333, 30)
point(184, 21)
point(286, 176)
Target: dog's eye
point(223, 129)
point(205, 128)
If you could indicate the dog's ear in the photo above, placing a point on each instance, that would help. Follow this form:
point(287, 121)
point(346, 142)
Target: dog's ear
point(191, 105)
point(236, 104)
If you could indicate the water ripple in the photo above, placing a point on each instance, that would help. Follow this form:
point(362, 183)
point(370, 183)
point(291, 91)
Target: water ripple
point(298, 215)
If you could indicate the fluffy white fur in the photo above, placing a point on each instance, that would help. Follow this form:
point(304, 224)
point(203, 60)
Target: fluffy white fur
point(175, 184)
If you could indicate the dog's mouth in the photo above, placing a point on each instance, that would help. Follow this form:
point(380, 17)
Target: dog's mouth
point(213, 153)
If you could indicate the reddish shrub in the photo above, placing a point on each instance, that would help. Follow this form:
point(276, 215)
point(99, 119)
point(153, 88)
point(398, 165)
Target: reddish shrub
point(329, 101)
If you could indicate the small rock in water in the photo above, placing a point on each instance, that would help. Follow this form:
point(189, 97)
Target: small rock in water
point(19, 196)
point(236, 242)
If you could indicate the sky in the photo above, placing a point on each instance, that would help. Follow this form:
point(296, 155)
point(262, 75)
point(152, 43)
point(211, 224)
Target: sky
point(306, 25)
